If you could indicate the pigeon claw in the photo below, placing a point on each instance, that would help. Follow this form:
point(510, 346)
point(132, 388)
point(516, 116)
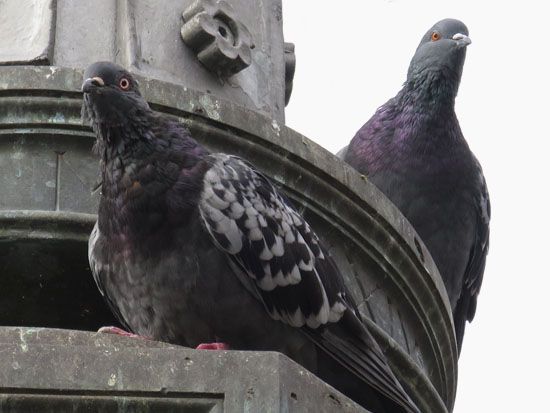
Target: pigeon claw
point(213, 346)
point(119, 332)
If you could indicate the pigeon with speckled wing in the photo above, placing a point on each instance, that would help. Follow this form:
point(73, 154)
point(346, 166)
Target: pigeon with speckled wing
point(192, 247)
point(414, 151)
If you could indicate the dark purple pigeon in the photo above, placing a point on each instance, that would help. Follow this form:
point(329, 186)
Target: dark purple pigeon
point(192, 247)
point(413, 150)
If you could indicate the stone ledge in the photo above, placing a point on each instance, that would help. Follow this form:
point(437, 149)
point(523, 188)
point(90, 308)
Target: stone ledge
point(68, 370)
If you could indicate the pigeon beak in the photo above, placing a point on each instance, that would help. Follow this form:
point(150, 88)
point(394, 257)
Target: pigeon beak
point(462, 40)
point(91, 83)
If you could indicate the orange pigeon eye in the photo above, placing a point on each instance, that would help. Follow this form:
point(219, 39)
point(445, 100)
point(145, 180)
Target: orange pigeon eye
point(124, 84)
point(435, 36)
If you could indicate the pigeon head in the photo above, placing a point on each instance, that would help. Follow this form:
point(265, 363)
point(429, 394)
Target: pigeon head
point(441, 52)
point(111, 94)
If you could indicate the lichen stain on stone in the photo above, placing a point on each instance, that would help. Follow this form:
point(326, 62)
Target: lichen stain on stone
point(279, 178)
point(53, 69)
point(17, 155)
point(112, 380)
point(50, 184)
point(210, 106)
point(188, 362)
point(58, 118)
point(276, 127)
point(23, 345)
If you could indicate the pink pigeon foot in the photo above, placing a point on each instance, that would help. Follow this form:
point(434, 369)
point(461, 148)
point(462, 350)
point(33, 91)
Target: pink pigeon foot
point(119, 332)
point(213, 346)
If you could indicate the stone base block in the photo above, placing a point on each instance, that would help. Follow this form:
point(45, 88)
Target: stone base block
point(51, 370)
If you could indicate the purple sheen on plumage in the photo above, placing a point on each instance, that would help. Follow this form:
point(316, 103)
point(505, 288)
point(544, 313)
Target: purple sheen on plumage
point(413, 150)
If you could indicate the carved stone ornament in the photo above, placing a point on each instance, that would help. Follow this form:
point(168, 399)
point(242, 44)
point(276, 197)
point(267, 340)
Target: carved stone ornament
point(221, 42)
point(290, 67)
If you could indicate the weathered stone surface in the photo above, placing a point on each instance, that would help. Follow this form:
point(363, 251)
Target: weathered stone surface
point(27, 30)
point(57, 370)
point(396, 286)
point(128, 32)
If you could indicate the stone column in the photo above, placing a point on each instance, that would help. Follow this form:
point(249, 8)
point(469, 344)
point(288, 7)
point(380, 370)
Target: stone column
point(223, 68)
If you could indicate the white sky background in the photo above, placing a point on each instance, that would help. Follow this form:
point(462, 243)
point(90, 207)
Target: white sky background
point(353, 55)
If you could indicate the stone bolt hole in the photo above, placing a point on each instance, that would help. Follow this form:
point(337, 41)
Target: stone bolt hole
point(227, 29)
